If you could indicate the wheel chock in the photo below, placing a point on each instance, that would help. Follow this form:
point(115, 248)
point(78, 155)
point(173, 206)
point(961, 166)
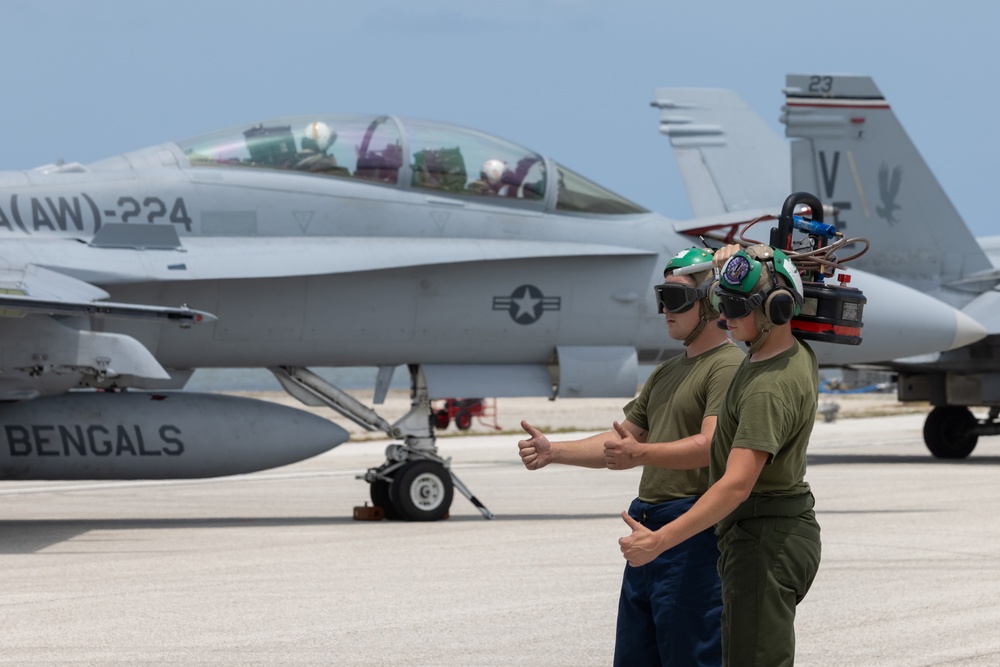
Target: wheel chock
point(368, 513)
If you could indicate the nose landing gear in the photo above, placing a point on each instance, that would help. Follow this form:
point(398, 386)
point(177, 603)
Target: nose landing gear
point(418, 490)
point(414, 483)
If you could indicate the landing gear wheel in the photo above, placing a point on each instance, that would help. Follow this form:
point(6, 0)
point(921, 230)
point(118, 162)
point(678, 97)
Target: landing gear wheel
point(422, 491)
point(463, 420)
point(441, 419)
point(379, 490)
point(948, 432)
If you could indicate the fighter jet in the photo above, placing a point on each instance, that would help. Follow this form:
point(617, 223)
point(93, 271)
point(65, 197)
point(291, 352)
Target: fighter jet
point(849, 148)
point(338, 240)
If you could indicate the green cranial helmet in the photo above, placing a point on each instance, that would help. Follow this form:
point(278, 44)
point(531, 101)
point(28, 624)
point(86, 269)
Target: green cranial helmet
point(762, 281)
point(756, 269)
point(696, 263)
point(689, 257)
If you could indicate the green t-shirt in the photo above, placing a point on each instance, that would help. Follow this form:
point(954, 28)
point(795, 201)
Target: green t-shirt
point(771, 407)
point(676, 398)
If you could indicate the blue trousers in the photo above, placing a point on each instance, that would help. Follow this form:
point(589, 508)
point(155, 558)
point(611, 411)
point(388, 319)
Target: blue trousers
point(669, 612)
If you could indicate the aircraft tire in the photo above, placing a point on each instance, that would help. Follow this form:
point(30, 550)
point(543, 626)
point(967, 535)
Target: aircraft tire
point(379, 490)
point(948, 432)
point(422, 491)
point(463, 420)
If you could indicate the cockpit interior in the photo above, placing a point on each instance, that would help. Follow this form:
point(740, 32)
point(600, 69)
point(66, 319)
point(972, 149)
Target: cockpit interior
point(387, 150)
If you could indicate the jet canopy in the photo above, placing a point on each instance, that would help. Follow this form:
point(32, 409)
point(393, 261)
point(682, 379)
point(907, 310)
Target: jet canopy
point(448, 159)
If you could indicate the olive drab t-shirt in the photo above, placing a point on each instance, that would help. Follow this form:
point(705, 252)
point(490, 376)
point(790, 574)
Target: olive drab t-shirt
point(673, 402)
point(771, 407)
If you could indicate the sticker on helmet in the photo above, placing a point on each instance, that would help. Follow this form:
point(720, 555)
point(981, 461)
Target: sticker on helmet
point(792, 273)
point(736, 269)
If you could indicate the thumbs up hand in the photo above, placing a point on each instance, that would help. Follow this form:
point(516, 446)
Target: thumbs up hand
point(641, 546)
point(535, 451)
point(622, 452)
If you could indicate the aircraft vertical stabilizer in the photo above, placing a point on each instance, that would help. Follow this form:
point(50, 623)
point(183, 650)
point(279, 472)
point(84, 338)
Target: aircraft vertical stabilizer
point(849, 148)
point(729, 159)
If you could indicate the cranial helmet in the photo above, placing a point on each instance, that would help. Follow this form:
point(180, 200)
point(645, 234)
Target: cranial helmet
point(765, 278)
point(689, 257)
point(493, 170)
point(321, 133)
point(680, 298)
point(761, 280)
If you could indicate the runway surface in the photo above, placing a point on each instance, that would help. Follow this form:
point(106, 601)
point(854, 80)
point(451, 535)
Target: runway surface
point(270, 569)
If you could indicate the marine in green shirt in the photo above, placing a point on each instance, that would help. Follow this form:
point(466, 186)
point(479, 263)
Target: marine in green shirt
point(769, 538)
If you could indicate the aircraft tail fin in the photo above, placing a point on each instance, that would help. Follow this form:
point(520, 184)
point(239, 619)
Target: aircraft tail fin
point(729, 159)
point(850, 150)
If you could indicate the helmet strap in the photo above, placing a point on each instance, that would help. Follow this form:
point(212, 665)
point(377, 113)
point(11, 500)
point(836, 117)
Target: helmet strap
point(694, 332)
point(706, 313)
point(765, 327)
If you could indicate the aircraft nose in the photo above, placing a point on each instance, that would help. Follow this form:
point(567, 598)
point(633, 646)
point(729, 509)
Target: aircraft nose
point(901, 322)
point(967, 330)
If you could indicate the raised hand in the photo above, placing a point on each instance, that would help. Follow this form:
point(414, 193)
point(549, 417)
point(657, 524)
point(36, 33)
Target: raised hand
point(536, 451)
point(641, 546)
point(724, 253)
point(623, 452)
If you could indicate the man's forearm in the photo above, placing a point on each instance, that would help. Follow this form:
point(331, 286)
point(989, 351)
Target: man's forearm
point(684, 454)
point(585, 453)
point(715, 505)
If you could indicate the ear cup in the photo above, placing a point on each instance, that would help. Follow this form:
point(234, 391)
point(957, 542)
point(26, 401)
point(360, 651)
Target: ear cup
point(779, 307)
point(713, 298)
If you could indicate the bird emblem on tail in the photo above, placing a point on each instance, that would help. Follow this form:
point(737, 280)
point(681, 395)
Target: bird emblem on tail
point(888, 190)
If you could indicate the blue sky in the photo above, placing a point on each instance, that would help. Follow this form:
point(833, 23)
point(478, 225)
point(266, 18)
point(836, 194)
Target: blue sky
point(570, 78)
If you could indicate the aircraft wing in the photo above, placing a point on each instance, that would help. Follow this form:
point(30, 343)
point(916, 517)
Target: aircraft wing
point(15, 305)
point(729, 159)
point(37, 290)
point(44, 343)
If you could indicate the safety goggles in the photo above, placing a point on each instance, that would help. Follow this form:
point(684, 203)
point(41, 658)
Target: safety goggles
point(677, 297)
point(734, 306)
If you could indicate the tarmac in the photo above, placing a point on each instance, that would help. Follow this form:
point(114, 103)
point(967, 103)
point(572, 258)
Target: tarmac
point(271, 569)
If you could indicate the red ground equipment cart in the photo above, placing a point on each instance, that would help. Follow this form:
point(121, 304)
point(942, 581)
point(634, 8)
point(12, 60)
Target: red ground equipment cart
point(462, 410)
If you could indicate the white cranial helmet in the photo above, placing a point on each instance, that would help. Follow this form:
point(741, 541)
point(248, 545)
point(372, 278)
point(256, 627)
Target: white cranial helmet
point(493, 171)
point(321, 133)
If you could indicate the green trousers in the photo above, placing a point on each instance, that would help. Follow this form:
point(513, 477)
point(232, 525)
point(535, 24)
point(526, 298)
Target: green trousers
point(767, 564)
